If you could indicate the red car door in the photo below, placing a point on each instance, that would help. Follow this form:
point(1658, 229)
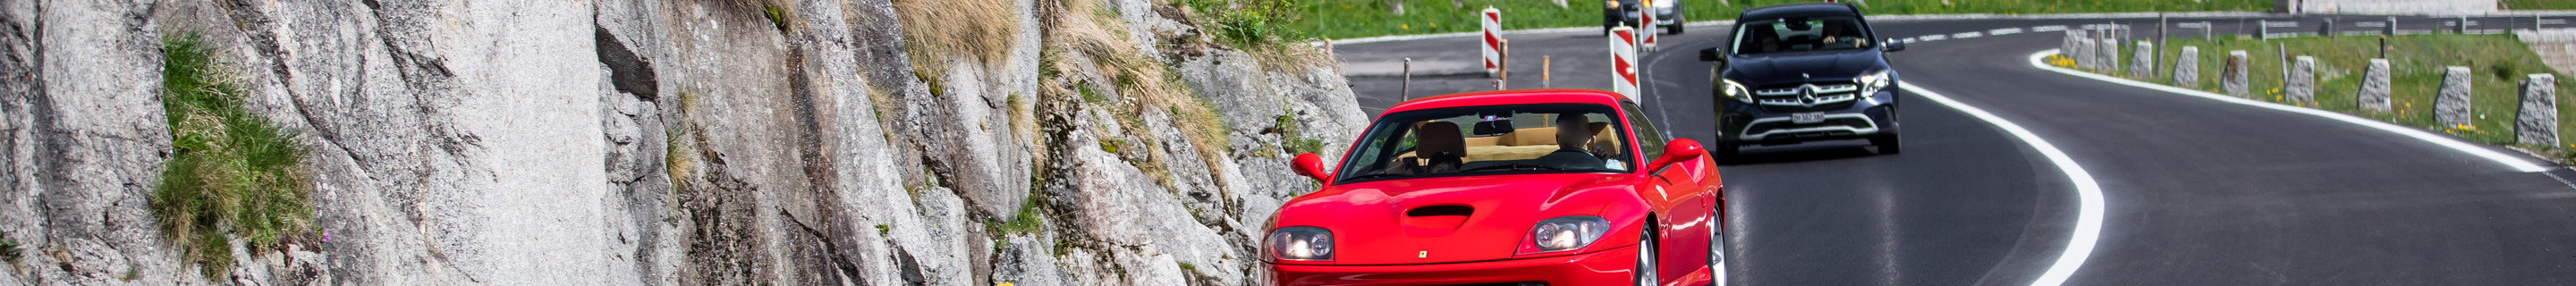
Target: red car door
point(1679, 192)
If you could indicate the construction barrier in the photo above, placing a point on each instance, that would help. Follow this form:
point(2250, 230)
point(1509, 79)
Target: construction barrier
point(1623, 62)
point(1493, 21)
point(1646, 21)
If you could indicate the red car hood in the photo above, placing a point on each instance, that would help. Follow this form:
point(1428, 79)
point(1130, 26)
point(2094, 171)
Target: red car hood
point(1440, 220)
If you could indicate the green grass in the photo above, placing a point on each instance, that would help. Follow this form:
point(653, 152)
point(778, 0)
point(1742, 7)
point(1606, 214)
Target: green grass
point(9, 247)
point(1340, 19)
point(1028, 221)
point(2539, 4)
point(777, 16)
point(231, 173)
point(2497, 62)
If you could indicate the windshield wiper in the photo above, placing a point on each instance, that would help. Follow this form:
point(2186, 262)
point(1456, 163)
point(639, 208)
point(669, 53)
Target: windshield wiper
point(1377, 175)
point(1509, 167)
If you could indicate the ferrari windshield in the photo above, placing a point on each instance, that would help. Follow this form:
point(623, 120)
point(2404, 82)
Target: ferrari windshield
point(1547, 138)
point(1800, 35)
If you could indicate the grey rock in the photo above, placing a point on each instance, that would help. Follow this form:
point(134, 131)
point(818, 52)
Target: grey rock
point(1121, 209)
point(2186, 71)
point(2537, 123)
point(1024, 260)
point(2142, 63)
point(2374, 86)
point(2232, 78)
point(653, 143)
point(2451, 101)
point(82, 144)
point(2301, 87)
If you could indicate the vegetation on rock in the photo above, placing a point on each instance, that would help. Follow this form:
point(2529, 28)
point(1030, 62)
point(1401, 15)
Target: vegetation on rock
point(231, 172)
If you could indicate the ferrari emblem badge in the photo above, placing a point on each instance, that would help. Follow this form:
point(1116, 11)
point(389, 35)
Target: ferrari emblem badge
point(1422, 255)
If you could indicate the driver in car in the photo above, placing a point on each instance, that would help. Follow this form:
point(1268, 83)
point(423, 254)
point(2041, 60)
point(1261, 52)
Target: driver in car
point(1834, 37)
point(1573, 146)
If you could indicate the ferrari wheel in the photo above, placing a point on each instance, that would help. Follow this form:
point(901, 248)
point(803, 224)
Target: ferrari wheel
point(1717, 252)
point(1646, 259)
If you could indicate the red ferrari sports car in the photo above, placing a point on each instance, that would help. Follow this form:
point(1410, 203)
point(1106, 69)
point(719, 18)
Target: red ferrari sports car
point(1523, 187)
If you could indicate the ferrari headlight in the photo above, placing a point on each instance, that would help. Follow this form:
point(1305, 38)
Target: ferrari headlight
point(1301, 243)
point(1871, 83)
point(1737, 91)
point(1567, 233)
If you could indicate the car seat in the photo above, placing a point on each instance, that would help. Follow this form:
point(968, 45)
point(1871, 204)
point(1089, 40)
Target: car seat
point(1442, 145)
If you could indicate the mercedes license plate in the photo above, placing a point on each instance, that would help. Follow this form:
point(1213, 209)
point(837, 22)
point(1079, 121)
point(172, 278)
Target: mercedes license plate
point(1807, 118)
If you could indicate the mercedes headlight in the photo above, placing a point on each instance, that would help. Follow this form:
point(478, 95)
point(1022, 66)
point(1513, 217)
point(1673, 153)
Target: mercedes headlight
point(1871, 83)
point(1565, 233)
point(1300, 243)
point(1737, 91)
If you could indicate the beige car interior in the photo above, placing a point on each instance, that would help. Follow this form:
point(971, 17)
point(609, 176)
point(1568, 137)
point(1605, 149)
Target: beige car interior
point(1435, 137)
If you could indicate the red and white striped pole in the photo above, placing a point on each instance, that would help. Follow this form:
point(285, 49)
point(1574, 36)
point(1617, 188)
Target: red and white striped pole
point(1493, 24)
point(1646, 16)
point(1623, 62)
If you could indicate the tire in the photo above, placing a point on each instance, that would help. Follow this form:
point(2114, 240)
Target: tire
point(1717, 247)
point(1645, 267)
point(1889, 139)
point(1727, 153)
point(1888, 143)
point(1675, 29)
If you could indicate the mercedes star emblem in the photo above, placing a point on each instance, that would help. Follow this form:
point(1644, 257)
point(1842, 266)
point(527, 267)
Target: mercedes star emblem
point(1807, 96)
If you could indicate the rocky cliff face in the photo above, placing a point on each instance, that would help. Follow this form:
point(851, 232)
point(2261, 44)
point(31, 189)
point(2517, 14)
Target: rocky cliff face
point(675, 142)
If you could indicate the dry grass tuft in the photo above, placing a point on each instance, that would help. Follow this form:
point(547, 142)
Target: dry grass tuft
point(1143, 83)
point(940, 29)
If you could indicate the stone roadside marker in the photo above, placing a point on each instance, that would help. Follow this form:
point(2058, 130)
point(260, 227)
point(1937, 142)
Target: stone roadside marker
point(2140, 64)
point(2110, 56)
point(2186, 71)
point(2374, 86)
point(2066, 47)
point(2302, 85)
point(2232, 78)
point(2084, 54)
point(2537, 122)
point(2451, 104)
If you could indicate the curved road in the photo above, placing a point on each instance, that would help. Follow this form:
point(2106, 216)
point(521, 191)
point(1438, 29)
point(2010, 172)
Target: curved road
point(2198, 191)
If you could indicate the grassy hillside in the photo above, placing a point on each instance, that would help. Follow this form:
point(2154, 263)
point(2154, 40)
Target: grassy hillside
point(2498, 63)
point(1339, 19)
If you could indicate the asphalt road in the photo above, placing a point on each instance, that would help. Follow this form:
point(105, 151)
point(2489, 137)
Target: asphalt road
point(2198, 192)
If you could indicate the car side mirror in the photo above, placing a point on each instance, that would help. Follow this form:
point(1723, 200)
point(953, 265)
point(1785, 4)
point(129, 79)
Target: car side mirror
point(1312, 166)
point(1893, 45)
point(1712, 55)
point(1677, 151)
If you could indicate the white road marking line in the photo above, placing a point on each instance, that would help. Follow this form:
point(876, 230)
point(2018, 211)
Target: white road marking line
point(2562, 181)
point(2048, 28)
point(1654, 60)
point(1966, 35)
point(2088, 217)
point(2509, 161)
point(1928, 38)
point(2004, 31)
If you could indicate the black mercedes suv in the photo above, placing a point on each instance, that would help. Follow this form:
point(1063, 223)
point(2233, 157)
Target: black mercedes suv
point(1803, 72)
